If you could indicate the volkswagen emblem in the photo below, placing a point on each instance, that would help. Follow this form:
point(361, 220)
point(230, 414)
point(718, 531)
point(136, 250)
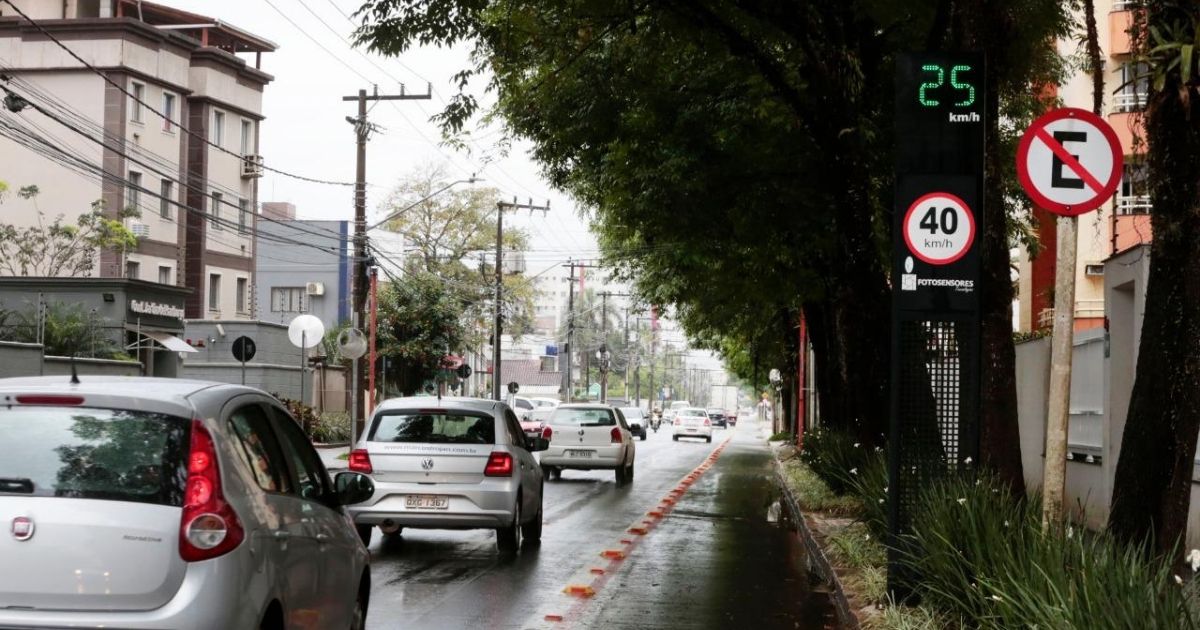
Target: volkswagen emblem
point(427, 463)
point(22, 528)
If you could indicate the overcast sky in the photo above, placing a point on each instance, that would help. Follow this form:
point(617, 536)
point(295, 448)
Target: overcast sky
point(305, 131)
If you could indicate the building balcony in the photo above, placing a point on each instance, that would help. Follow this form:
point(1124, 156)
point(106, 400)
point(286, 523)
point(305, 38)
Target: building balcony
point(1120, 19)
point(1130, 127)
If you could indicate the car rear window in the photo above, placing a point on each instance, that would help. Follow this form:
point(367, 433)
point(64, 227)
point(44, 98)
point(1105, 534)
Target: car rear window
point(434, 428)
point(83, 453)
point(631, 413)
point(694, 412)
point(584, 417)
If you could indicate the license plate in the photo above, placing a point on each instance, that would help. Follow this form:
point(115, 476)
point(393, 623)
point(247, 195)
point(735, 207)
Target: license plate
point(426, 502)
point(571, 452)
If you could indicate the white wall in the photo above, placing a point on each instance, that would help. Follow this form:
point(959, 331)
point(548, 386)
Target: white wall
point(227, 306)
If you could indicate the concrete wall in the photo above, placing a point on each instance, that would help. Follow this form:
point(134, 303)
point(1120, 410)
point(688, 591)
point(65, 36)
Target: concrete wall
point(25, 359)
point(281, 265)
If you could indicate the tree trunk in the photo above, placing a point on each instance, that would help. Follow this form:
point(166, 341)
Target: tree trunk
point(1154, 471)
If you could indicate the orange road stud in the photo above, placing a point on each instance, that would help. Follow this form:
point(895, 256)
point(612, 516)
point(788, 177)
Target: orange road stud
point(626, 541)
point(655, 513)
point(579, 590)
point(553, 617)
point(613, 554)
point(640, 531)
point(597, 571)
point(669, 501)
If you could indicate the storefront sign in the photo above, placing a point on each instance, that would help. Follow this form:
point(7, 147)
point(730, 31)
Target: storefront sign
point(142, 307)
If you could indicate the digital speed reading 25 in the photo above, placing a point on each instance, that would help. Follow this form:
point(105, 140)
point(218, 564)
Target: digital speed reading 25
point(957, 93)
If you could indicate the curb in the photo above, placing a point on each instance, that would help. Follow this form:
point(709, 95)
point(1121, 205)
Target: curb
point(817, 560)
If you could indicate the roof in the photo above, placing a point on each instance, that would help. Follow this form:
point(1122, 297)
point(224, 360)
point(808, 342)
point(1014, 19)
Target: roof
point(528, 372)
point(425, 402)
point(211, 31)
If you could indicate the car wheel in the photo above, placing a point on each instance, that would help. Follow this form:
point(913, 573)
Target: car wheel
point(358, 619)
point(532, 531)
point(708, 439)
point(508, 539)
point(629, 473)
point(643, 435)
point(675, 437)
point(622, 479)
point(547, 473)
point(364, 533)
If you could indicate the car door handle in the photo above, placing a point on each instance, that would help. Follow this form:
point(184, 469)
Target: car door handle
point(281, 535)
point(322, 538)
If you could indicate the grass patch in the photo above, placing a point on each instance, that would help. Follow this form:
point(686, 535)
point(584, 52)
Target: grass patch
point(344, 456)
point(814, 495)
point(894, 617)
point(782, 436)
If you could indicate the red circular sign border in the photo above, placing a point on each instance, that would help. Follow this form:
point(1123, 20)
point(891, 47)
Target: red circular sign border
point(908, 239)
point(1055, 207)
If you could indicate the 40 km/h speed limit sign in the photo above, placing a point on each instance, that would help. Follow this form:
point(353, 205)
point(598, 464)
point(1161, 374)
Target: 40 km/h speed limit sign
point(1069, 161)
point(939, 228)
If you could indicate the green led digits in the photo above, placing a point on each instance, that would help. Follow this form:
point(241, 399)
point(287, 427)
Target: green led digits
point(925, 95)
point(941, 77)
point(962, 86)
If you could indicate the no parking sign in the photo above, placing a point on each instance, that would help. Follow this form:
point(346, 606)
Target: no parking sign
point(1069, 161)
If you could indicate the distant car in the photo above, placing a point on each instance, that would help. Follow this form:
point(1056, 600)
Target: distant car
point(718, 418)
point(680, 404)
point(523, 407)
point(541, 403)
point(536, 422)
point(636, 419)
point(170, 503)
point(453, 463)
point(588, 437)
point(692, 422)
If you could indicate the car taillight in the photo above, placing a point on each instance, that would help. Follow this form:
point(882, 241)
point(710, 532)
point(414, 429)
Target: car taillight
point(360, 461)
point(707, 422)
point(616, 435)
point(547, 433)
point(209, 527)
point(498, 465)
point(48, 399)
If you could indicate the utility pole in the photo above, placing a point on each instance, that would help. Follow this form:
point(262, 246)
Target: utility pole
point(571, 324)
point(501, 207)
point(362, 132)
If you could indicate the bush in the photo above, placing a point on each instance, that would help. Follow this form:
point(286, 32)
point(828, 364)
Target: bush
point(782, 436)
point(813, 495)
point(305, 415)
point(835, 457)
point(870, 485)
point(331, 427)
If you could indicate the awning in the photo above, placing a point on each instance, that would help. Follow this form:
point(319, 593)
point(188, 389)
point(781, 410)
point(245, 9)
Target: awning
point(170, 341)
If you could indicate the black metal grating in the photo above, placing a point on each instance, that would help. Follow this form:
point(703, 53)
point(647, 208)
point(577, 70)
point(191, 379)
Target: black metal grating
point(937, 406)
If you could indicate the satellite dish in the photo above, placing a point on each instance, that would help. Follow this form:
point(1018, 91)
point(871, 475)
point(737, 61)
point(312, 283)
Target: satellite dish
point(352, 343)
point(306, 331)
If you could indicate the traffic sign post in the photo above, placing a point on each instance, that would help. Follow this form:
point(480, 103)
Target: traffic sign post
point(243, 351)
point(937, 220)
point(1069, 162)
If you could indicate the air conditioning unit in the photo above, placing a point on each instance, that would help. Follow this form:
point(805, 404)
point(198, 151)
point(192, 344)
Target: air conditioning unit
point(314, 288)
point(252, 166)
point(1093, 269)
point(140, 230)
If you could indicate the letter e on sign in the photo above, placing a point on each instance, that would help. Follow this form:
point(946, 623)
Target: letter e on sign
point(939, 228)
point(1069, 161)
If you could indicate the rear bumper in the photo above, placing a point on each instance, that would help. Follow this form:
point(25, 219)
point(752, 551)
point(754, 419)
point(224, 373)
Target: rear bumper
point(602, 456)
point(207, 598)
point(693, 432)
point(483, 505)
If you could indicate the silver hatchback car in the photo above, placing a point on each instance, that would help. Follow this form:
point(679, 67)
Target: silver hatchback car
point(450, 463)
point(165, 503)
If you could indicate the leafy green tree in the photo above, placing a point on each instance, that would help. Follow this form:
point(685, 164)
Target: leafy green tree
point(420, 322)
point(63, 329)
point(61, 249)
point(1152, 487)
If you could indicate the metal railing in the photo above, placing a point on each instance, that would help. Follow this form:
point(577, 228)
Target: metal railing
point(1126, 5)
point(1133, 204)
point(1125, 102)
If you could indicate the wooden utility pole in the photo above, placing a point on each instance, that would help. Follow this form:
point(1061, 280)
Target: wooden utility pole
point(501, 207)
point(568, 393)
point(362, 132)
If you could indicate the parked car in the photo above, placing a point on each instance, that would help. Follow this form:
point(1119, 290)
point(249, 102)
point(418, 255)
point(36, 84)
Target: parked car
point(523, 407)
point(636, 419)
point(588, 437)
point(692, 422)
point(718, 417)
point(536, 422)
point(169, 503)
point(541, 403)
point(454, 463)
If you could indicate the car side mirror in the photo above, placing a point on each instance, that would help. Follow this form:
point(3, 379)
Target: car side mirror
point(352, 487)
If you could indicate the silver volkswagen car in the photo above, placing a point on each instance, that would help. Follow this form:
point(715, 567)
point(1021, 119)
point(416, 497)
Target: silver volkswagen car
point(450, 463)
point(166, 503)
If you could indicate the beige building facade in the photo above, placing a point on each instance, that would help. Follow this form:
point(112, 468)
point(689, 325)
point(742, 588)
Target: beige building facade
point(174, 135)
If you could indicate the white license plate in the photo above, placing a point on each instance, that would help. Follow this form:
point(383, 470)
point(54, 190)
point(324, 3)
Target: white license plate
point(426, 502)
point(572, 452)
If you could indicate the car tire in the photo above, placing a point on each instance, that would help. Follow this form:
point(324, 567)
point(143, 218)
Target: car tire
point(547, 473)
point(675, 437)
point(532, 531)
point(708, 439)
point(358, 619)
point(364, 534)
point(622, 479)
point(508, 539)
point(643, 435)
point(629, 474)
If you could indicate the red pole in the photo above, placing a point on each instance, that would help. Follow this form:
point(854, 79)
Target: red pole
point(802, 368)
point(371, 359)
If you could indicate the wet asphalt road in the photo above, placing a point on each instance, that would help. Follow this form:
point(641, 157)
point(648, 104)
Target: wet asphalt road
point(722, 557)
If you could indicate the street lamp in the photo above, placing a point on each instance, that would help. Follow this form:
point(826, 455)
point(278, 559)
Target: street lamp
point(603, 356)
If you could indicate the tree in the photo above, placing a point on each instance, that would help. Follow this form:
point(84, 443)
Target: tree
point(60, 249)
point(420, 323)
point(1152, 487)
point(63, 329)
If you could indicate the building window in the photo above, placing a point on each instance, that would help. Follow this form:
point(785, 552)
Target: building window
point(164, 275)
point(168, 111)
point(287, 299)
point(243, 215)
point(139, 96)
point(166, 189)
point(215, 213)
point(218, 128)
point(132, 267)
point(1135, 87)
point(133, 193)
point(241, 295)
point(214, 292)
point(1134, 194)
point(247, 137)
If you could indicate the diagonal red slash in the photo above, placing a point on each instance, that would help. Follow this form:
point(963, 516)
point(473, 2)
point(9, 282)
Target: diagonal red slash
point(1068, 159)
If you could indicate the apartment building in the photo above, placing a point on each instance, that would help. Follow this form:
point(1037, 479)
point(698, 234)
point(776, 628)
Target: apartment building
point(174, 134)
point(1123, 223)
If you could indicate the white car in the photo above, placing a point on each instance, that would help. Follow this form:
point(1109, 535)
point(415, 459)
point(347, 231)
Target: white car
point(692, 422)
point(587, 437)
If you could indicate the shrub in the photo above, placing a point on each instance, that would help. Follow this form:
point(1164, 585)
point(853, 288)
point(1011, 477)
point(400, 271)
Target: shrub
point(782, 436)
point(812, 494)
point(870, 485)
point(305, 415)
point(331, 427)
point(836, 458)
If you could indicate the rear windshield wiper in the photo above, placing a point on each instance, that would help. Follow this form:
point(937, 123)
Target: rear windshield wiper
point(19, 485)
point(597, 424)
